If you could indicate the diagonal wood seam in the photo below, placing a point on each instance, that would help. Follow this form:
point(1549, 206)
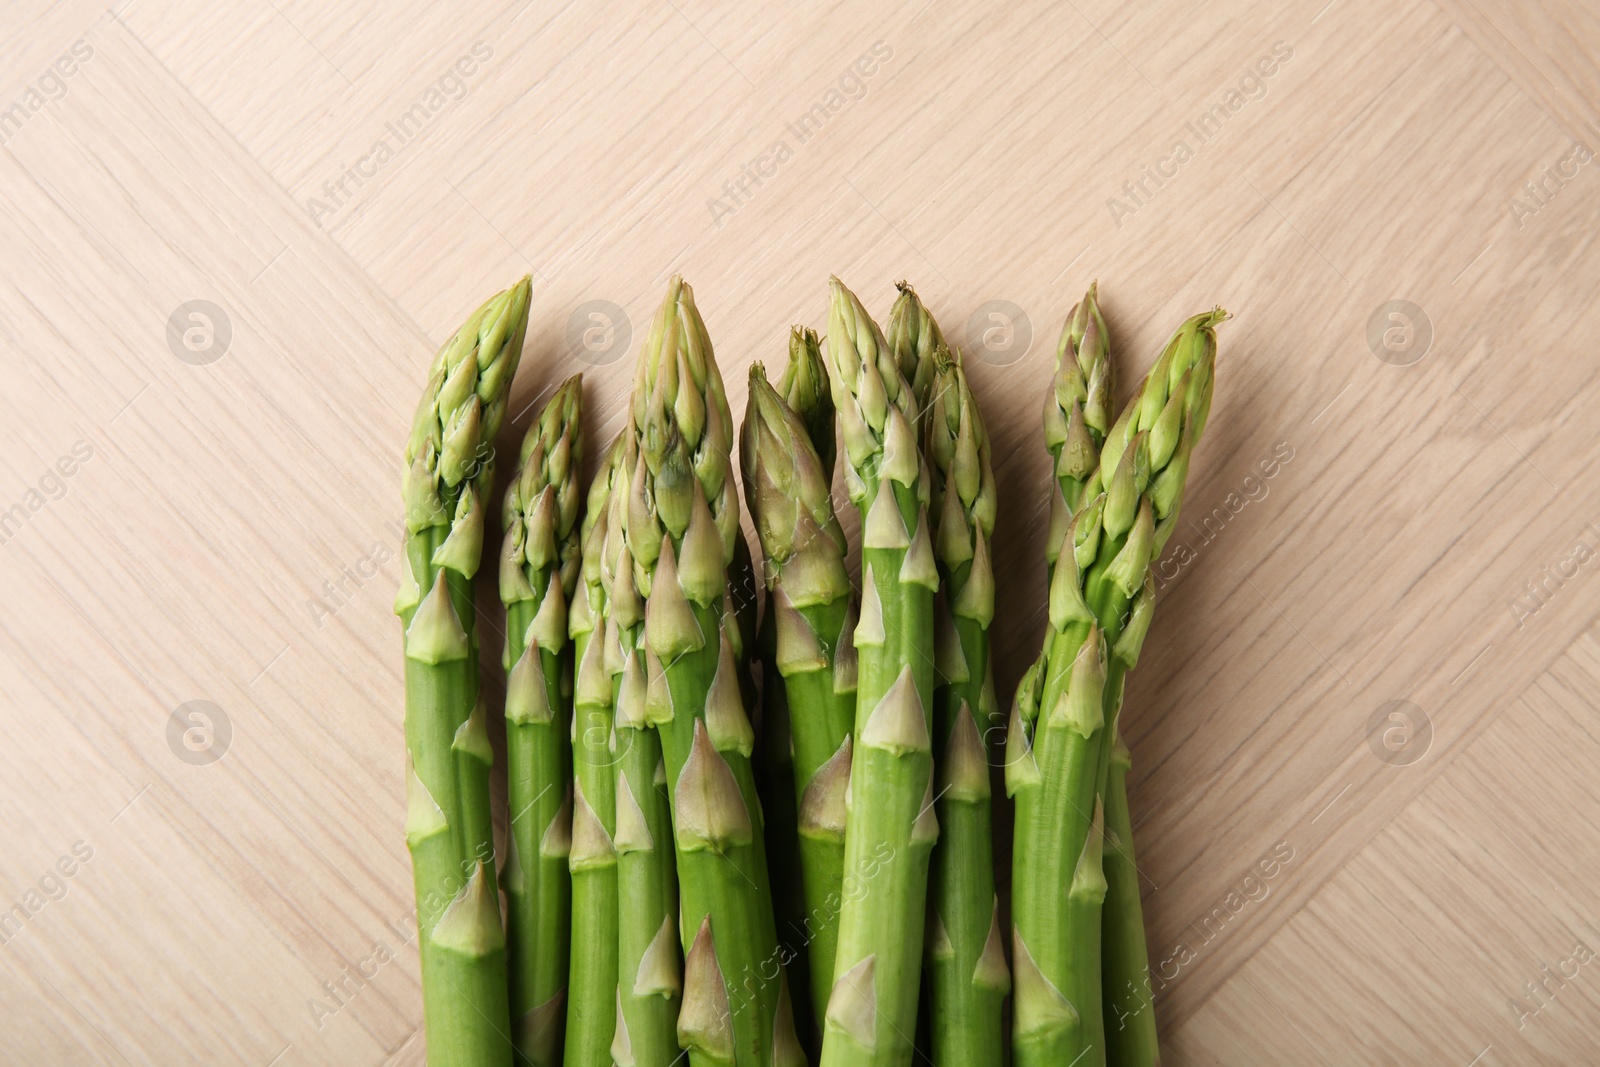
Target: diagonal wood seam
point(1353, 840)
point(1475, 24)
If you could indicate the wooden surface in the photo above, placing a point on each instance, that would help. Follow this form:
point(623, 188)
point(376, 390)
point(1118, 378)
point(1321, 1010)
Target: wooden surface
point(230, 536)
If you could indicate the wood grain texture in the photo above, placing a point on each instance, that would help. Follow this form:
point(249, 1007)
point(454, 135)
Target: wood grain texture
point(241, 894)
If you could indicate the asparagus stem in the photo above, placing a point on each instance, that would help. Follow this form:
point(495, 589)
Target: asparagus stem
point(890, 823)
point(1054, 784)
point(650, 978)
point(1051, 798)
point(451, 469)
point(538, 577)
point(592, 978)
point(1129, 1009)
point(787, 488)
point(682, 532)
point(773, 760)
point(967, 973)
point(1171, 407)
point(819, 843)
point(650, 974)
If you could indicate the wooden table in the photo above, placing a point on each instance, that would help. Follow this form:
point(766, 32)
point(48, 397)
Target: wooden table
point(234, 234)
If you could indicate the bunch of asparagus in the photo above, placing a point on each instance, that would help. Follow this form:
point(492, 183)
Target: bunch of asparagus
point(680, 848)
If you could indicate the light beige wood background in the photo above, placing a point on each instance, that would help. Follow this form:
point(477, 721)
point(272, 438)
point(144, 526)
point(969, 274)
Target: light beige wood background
point(186, 559)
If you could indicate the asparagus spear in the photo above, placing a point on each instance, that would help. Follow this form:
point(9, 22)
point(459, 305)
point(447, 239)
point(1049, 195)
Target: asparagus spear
point(890, 824)
point(1077, 412)
point(1171, 406)
point(1075, 423)
point(805, 388)
point(538, 577)
point(450, 469)
point(1076, 418)
point(650, 973)
point(1125, 975)
point(1059, 763)
point(916, 341)
point(682, 532)
point(592, 979)
point(967, 974)
point(773, 765)
point(787, 488)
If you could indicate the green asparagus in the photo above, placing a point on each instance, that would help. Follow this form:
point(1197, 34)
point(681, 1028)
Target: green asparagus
point(1054, 805)
point(773, 765)
point(592, 978)
point(449, 457)
point(890, 822)
point(1125, 972)
point(538, 578)
point(650, 974)
point(682, 530)
point(967, 974)
point(845, 843)
point(787, 488)
point(806, 386)
point(1170, 410)
point(916, 342)
point(1077, 412)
